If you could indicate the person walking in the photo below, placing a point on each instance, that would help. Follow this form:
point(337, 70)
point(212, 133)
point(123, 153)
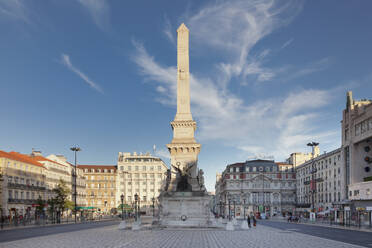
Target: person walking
point(249, 221)
point(254, 221)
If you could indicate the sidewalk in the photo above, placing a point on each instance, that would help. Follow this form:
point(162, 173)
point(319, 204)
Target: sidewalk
point(354, 228)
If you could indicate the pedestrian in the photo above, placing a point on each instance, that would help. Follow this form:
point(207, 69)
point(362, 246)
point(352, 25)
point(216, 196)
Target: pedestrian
point(254, 221)
point(249, 221)
point(2, 221)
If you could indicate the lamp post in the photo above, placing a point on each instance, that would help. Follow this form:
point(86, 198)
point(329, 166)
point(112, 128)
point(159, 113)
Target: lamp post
point(75, 149)
point(153, 207)
point(122, 206)
point(229, 199)
point(234, 209)
point(244, 207)
point(135, 206)
point(220, 208)
point(313, 172)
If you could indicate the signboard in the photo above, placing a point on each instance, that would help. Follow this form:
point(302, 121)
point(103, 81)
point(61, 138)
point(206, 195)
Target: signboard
point(369, 208)
point(261, 208)
point(347, 208)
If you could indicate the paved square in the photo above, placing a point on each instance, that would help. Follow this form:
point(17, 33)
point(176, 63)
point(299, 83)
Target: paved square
point(111, 237)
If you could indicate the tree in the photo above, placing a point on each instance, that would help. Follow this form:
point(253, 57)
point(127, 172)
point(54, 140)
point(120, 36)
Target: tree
point(60, 200)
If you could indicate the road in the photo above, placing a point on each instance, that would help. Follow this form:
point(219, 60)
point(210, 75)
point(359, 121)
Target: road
point(32, 232)
point(343, 235)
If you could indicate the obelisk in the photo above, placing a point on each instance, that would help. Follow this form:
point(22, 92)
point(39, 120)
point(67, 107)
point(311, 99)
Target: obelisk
point(184, 149)
point(184, 200)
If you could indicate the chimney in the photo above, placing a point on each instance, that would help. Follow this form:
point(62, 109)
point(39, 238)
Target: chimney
point(35, 153)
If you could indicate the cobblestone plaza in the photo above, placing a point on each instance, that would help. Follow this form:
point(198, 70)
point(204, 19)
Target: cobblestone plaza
point(110, 237)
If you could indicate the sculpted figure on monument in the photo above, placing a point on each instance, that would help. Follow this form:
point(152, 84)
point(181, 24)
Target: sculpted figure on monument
point(184, 175)
point(201, 179)
point(167, 180)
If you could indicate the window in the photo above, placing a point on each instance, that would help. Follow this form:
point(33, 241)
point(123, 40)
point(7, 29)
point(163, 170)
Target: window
point(357, 129)
point(144, 183)
point(121, 168)
point(129, 183)
point(129, 167)
point(151, 175)
point(10, 193)
point(159, 168)
point(136, 168)
point(159, 175)
point(136, 175)
point(144, 168)
point(144, 175)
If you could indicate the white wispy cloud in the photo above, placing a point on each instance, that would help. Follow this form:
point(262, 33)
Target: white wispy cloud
point(234, 28)
point(15, 9)
point(278, 125)
point(65, 59)
point(168, 30)
point(99, 10)
point(287, 43)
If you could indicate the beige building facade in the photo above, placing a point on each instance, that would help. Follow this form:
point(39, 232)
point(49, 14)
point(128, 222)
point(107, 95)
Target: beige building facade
point(54, 172)
point(141, 174)
point(24, 181)
point(80, 180)
point(100, 187)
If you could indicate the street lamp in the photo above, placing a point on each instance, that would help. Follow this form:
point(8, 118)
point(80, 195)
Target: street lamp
point(229, 199)
point(75, 149)
point(244, 206)
point(234, 208)
point(220, 208)
point(122, 206)
point(313, 171)
point(135, 206)
point(153, 207)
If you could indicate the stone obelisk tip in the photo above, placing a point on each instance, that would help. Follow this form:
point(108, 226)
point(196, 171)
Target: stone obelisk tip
point(182, 27)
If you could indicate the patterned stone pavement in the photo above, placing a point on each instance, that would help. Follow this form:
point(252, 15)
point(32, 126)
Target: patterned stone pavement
point(111, 237)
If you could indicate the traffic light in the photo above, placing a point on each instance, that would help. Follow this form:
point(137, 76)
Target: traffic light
point(368, 159)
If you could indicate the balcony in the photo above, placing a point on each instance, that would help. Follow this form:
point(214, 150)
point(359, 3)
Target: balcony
point(21, 201)
point(25, 187)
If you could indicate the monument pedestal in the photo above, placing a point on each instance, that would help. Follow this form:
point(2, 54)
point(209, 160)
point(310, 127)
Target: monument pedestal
point(186, 209)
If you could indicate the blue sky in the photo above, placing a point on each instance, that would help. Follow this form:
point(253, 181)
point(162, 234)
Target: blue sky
point(267, 76)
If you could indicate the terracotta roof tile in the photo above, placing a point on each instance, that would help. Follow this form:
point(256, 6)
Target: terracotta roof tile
point(20, 157)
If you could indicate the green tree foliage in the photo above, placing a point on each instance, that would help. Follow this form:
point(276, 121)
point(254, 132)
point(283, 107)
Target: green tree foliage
point(60, 200)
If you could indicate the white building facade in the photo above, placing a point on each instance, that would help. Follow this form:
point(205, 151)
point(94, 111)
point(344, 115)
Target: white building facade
point(140, 174)
point(257, 186)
